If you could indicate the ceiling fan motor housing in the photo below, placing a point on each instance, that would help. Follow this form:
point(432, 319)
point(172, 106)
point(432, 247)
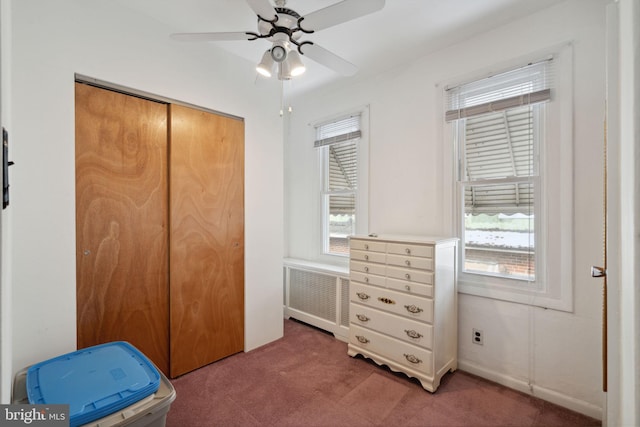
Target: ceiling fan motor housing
point(286, 24)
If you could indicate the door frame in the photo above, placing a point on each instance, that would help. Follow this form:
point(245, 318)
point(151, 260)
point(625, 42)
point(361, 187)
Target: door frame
point(623, 217)
point(81, 78)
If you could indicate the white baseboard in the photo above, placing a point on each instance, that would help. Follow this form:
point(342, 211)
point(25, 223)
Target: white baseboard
point(552, 396)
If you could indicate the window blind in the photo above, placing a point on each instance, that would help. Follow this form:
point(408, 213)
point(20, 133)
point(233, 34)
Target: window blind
point(337, 131)
point(527, 85)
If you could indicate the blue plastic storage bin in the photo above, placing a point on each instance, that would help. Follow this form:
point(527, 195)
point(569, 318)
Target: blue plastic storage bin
point(94, 381)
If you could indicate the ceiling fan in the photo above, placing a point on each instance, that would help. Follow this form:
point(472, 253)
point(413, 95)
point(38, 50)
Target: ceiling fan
point(284, 27)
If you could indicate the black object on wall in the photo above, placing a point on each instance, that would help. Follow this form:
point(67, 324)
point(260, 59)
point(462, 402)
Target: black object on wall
point(5, 168)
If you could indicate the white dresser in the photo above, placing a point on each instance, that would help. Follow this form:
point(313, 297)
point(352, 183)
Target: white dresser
point(403, 304)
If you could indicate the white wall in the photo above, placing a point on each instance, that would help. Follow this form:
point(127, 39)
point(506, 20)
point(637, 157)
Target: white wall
point(5, 257)
point(105, 40)
point(551, 354)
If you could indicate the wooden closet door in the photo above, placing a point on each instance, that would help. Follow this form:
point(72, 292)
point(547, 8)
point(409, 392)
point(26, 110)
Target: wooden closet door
point(121, 221)
point(207, 237)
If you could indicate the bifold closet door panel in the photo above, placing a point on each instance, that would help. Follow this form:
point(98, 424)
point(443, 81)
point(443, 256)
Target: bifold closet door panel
point(207, 237)
point(122, 221)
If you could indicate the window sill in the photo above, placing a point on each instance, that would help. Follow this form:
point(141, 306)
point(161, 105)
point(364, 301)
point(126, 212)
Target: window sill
point(529, 296)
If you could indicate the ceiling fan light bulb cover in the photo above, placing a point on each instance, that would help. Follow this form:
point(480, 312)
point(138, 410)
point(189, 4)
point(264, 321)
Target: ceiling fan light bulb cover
point(266, 64)
point(297, 71)
point(263, 71)
point(296, 65)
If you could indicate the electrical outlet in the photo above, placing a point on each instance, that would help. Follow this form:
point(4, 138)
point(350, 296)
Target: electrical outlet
point(477, 337)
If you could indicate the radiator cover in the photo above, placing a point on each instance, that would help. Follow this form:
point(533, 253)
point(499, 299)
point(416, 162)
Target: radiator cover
point(317, 294)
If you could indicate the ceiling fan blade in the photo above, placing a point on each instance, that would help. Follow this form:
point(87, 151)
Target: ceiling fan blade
point(338, 13)
point(212, 37)
point(328, 59)
point(263, 9)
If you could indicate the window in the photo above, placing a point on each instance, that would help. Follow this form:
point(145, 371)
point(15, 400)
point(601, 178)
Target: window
point(338, 142)
point(507, 134)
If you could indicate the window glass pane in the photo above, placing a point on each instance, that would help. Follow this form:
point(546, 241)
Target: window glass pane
point(498, 232)
point(501, 242)
point(342, 222)
point(507, 198)
point(499, 145)
point(343, 166)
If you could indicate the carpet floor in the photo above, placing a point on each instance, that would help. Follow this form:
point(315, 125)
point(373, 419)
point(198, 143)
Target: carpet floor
point(307, 379)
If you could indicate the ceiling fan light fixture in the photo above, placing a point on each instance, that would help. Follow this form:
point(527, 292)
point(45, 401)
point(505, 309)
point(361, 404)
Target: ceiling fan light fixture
point(265, 67)
point(296, 66)
point(283, 28)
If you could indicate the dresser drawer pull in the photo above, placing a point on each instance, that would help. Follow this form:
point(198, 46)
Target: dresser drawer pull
point(413, 309)
point(362, 339)
point(407, 287)
point(386, 300)
point(407, 276)
point(362, 317)
point(366, 257)
point(413, 334)
point(366, 247)
point(411, 358)
point(408, 251)
point(366, 269)
point(366, 280)
point(362, 296)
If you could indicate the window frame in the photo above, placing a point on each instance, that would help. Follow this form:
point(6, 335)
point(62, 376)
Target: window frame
point(553, 287)
point(361, 193)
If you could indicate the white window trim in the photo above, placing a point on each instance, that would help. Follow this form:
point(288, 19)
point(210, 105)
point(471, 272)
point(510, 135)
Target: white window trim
point(555, 277)
point(362, 194)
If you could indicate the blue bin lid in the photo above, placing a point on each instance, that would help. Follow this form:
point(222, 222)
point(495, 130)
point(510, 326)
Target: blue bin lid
point(94, 382)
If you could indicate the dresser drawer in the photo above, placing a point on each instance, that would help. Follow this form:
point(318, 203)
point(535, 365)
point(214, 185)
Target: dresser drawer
point(406, 305)
point(368, 245)
point(410, 249)
point(365, 267)
point(410, 287)
point(417, 333)
point(418, 276)
point(410, 261)
point(379, 257)
point(408, 355)
point(370, 279)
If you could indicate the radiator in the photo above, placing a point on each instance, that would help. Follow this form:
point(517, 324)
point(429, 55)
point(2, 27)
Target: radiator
point(317, 294)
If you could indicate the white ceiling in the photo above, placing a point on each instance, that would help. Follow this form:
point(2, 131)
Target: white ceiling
point(401, 31)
